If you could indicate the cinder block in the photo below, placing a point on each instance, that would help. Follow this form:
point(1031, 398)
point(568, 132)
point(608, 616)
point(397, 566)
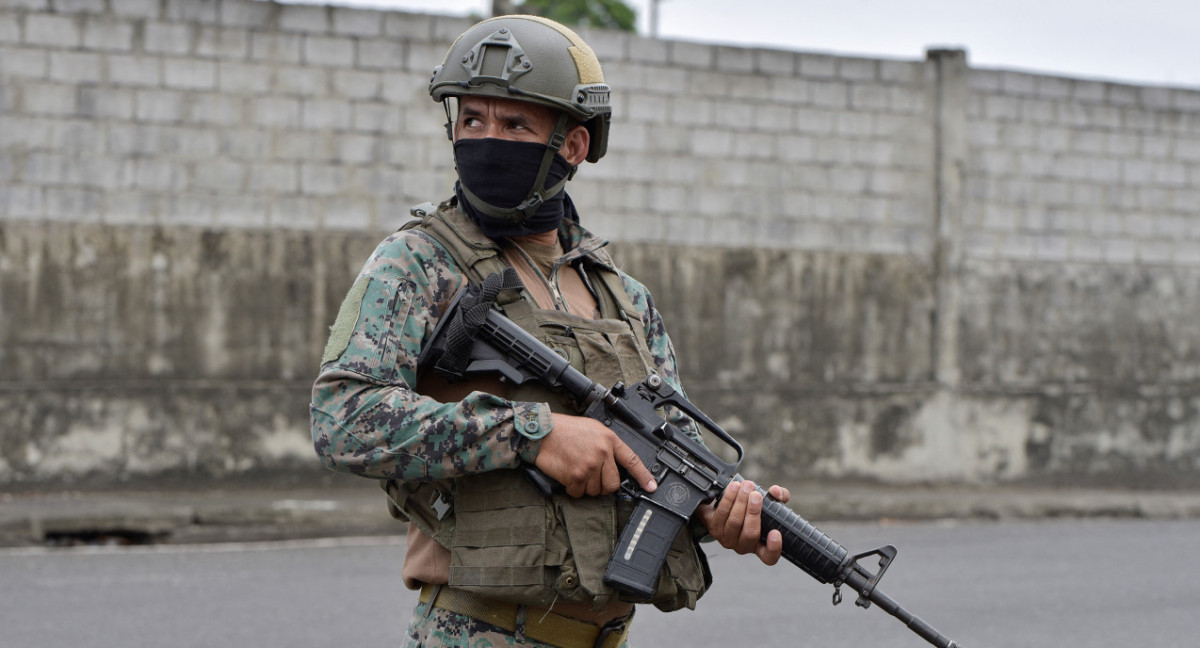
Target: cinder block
point(275, 47)
point(240, 211)
point(168, 38)
point(354, 84)
point(52, 31)
point(816, 66)
point(128, 140)
point(854, 124)
point(192, 11)
point(293, 212)
point(236, 77)
point(325, 113)
point(222, 43)
point(773, 118)
point(135, 70)
point(423, 58)
point(159, 106)
point(829, 94)
point(448, 28)
point(375, 117)
point(712, 143)
point(296, 18)
point(906, 73)
point(907, 100)
point(103, 33)
point(691, 55)
point(1089, 91)
point(355, 149)
point(22, 201)
point(189, 74)
point(72, 204)
point(217, 109)
point(855, 69)
point(252, 14)
point(183, 208)
point(49, 99)
point(105, 102)
point(347, 215)
point(243, 143)
point(303, 145)
point(275, 112)
point(24, 63)
point(137, 8)
point(668, 81)
point(386, 54)
point(357, 22)
point(775, 62)
point(79, 6)
point(160, 175)
point(869, 97)
point(321, 179)
point(225, 175)
point(646, 108)
point(1038, 111)
point(321, 50)
point(648, 50)
point(192, 143)
point(10, 30)
point(409, 27)
point(32, 5)
point(733, 115)
point(74, 67)
point(815, 120)
point(302, 81)
point(734, 59)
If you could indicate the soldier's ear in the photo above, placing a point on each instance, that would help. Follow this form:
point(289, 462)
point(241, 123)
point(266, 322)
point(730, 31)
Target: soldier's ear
point(575, 146)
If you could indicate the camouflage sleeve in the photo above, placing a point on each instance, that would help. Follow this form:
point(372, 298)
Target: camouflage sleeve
point(366, 417)
point(660, 345)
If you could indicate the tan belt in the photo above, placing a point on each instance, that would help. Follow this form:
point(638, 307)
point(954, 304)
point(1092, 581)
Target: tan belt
point(536, 624)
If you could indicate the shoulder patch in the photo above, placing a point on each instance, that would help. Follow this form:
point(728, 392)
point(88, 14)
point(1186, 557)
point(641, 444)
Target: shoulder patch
point(347, 317)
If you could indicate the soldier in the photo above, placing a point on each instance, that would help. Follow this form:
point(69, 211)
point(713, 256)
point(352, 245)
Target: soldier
point(526, 103)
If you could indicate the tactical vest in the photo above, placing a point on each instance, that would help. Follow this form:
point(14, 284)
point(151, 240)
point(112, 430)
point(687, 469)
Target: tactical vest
point(506, 540)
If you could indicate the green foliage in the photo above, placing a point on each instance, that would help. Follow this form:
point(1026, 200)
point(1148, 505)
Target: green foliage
point(602, 14)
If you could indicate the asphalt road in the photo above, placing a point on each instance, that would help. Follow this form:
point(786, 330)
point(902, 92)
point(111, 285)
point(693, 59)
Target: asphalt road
point(986, 585)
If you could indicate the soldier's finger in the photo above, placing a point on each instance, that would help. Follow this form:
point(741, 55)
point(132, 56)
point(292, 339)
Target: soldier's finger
point(780, 493)
point(751, 531)
point(737, 515)
point(610, 478)
point(633, 464)
point(770, 551)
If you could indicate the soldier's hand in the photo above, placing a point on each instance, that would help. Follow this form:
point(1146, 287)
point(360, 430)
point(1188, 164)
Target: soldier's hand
point(583, 455)
point(736, 521)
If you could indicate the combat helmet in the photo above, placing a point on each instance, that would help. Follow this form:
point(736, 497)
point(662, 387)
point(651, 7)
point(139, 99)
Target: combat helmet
point(529, 58)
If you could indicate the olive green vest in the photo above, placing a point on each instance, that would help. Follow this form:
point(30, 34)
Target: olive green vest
point(506, 540)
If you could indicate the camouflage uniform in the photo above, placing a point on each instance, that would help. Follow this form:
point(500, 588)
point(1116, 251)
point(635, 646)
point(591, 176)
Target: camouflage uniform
point(367, 419)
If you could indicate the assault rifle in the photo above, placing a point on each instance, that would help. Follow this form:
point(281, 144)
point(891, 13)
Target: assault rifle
point(475, 338)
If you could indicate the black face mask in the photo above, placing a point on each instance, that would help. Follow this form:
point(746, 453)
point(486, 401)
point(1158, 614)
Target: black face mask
point(498, 174)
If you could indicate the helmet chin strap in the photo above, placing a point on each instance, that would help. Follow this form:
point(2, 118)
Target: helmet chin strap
point(537, 194)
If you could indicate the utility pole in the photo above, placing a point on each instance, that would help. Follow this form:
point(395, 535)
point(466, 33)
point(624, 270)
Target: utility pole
point(654, 18)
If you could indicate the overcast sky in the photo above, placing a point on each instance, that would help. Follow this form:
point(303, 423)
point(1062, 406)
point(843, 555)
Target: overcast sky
point(1138, 41)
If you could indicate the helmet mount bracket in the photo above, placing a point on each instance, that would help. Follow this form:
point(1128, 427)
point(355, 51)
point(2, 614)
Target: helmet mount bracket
point(515, 61)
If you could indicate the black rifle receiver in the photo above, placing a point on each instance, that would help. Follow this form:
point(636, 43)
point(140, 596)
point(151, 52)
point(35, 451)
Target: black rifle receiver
point(687, 472)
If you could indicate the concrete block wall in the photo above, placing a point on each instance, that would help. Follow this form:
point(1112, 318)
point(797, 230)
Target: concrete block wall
point(893, 269)
point(1071, 170)
point(219, 113)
